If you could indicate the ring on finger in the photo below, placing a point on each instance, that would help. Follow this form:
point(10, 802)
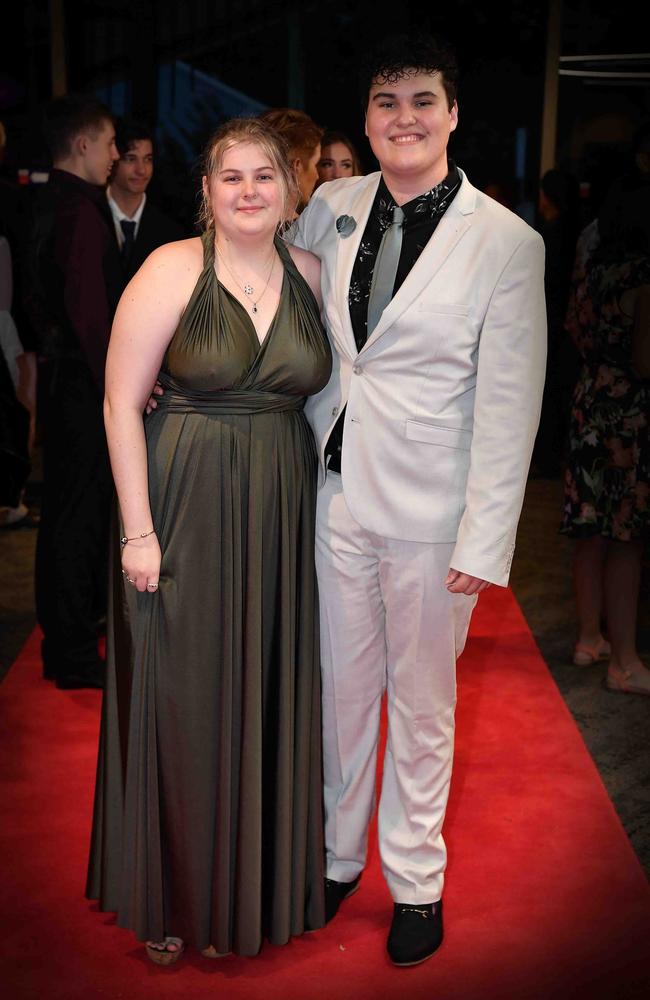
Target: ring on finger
point(153, 584)
point(130, 580)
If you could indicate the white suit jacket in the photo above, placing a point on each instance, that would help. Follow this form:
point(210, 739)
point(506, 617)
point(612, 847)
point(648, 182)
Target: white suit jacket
point(443, 401)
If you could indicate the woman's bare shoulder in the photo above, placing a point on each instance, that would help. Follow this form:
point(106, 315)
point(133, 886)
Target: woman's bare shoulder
point(307, 263)
point(309, 267)
point(180, 253)
point(303, 258)
point(169, 270)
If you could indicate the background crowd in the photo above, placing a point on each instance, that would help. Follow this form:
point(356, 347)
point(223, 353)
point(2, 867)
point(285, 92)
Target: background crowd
point(57, 303)
point(68, 248)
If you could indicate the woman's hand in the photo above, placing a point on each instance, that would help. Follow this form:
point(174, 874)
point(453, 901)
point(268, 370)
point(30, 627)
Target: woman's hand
point(141, 563)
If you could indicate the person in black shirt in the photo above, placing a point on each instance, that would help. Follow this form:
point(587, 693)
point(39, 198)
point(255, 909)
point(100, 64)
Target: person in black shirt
point(76, 283)
point(140, 226)
point(434, 302)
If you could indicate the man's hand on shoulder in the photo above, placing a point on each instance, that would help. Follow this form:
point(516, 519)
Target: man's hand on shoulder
point(152, 402)
point(463, 583)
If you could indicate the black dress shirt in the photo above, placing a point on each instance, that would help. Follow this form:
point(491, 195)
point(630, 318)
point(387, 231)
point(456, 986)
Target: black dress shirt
point(421, 216)
point(155, 229)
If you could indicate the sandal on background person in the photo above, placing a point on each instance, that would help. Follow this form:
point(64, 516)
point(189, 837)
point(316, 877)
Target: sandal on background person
point(211, 952)
point(630, 680)
point(585, 655)
point(165, 952)
point(18, 517)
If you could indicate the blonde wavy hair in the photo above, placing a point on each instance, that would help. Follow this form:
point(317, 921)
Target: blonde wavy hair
point(248, 130)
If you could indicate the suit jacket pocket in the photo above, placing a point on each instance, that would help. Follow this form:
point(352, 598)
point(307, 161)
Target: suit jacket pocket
point(447, 437)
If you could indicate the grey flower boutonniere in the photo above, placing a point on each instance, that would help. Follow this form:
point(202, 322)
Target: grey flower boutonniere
point(345, 226)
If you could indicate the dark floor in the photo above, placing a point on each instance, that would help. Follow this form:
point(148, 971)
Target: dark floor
point(616, 728)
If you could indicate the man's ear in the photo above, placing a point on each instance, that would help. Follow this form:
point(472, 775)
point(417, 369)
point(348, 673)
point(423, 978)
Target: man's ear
point(453, 116)
point(80, 144)
point(297, 165)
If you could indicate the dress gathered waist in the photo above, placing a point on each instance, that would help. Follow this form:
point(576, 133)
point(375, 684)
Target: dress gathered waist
point(240, 402)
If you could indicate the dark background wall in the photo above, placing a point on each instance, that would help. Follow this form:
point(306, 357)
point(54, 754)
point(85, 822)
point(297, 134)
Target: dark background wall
point(304, 55)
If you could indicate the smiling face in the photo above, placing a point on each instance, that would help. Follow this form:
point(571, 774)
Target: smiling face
point(134, 169)
point(245, 192)
point(336, 161)
point(98, 153)
point(408, 123)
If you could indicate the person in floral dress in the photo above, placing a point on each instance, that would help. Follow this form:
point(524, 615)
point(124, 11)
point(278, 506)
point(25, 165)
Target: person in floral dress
point(607, 486)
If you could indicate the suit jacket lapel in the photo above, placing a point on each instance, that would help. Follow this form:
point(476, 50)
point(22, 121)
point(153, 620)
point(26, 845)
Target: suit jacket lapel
point(347, 250)
point(450, 230)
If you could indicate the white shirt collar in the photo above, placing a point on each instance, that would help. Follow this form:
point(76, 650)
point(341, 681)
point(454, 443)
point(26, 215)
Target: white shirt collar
point(118, 215)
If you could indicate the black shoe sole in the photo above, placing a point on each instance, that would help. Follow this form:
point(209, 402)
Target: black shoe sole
point(418, 961)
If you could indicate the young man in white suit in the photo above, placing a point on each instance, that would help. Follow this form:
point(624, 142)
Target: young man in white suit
point(425, 433)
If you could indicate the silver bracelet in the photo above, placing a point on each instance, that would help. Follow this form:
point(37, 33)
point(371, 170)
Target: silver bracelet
point(145, 534)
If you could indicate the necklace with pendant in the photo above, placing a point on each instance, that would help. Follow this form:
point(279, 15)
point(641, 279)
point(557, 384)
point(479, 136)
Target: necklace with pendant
point(247, 288)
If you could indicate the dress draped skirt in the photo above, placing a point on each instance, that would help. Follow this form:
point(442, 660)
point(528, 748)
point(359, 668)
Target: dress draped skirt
point(208, 808)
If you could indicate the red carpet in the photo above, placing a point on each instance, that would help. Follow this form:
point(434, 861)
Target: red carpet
point(544, 899)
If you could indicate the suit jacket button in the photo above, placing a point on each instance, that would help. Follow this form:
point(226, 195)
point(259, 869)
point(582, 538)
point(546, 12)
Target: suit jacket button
point(335, 410)
point(357, 369)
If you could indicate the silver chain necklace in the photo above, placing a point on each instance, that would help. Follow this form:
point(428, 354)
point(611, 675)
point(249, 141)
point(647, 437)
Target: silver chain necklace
point(247, 288)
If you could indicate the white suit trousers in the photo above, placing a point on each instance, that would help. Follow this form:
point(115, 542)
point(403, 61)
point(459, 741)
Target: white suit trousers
point(387, 623)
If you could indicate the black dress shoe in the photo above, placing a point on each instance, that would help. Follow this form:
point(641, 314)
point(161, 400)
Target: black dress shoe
point(415, 933)
point(335, 893)
point(49, 664)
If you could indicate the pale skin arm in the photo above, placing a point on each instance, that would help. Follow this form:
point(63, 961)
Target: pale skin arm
point(145, 321)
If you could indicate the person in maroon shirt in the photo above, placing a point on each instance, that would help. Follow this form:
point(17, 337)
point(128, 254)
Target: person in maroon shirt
point(76, 283)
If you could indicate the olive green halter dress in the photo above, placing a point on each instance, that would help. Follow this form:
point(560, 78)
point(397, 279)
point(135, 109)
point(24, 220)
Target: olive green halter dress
point(208, 807)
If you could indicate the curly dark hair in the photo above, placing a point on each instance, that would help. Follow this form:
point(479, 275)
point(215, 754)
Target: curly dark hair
point(128, 132)
point(397, 56)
